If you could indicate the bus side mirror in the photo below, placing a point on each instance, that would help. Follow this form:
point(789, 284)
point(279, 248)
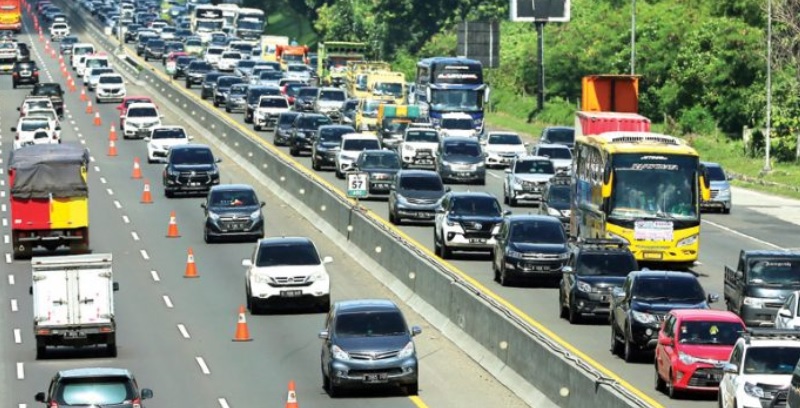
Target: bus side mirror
point(486, 95)
point(428, 94)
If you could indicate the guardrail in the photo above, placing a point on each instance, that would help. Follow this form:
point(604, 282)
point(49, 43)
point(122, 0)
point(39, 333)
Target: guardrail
point(538, 359)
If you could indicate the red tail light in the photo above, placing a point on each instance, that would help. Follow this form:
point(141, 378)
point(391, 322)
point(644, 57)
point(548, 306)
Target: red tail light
point(137, 403)
point(36, 73)
point(53, 404)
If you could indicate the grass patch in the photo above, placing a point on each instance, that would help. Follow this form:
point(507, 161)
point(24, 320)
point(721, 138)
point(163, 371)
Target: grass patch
point(288, 23)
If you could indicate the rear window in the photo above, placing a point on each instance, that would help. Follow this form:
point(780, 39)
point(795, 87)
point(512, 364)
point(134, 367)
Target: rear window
point(361, 144)
point(168, 134)
point(142, 112)
point(716, 173)
point(287, 254)
point(111, 79)
point(95, 391)
point(31, 125)
point(370, 324)
point(233, 198)
point(47, 90)
point(191, 156)
point(566, 136)
point(273, 103)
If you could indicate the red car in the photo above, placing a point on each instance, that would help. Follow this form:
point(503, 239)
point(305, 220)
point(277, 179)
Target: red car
point(692, 347)
point(123, 106)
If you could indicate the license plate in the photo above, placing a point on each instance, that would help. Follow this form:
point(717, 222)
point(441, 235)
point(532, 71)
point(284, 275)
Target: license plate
point(381, 186)
point(194, 184)
point(421, 215)
point(424, 154)
point(75, 335)
point(291, 293)
point(376, 378)
point(25, 73)
point(477, 240)
point(652, 255)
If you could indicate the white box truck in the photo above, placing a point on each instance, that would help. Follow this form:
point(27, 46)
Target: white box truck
point(73, 302)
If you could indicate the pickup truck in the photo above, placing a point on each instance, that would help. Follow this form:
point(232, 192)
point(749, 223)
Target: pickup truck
point(73, 302)
point(760, 284)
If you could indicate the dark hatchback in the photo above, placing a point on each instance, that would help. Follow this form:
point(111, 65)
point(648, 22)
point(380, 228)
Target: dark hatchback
point(23, 52)
point(235, 101)
point(191, 168)
point(66, 44)
point(223, 86)
point(233, 211)
point(85, 387)
point(640, 306)
point(304, 101)
point(181, 64)
point(196, 72)
point(53, 91)
point(209, 83)
point(415, 196)
point(556, 200)
point(595, 267)
point(529, 247)
point(326, 145)
point(24, 73)
point(304, 130)
point(381, 166)
point(254, 94)
point(155, 49)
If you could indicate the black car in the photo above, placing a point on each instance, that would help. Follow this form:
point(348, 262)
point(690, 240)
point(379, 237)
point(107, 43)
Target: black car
point(283, 128)
point(53, 91)
point(196, 72)
point(236, 98)
point(66, 44)
point(326, 145)
point(155, 49)
point(529, 247)
point(191, 168)
point(349, 111)
point(130, 32)
point(381, 166)
point(209, 83)
point(181, 64)
point(304, 101)
point(556, 200)
point(595, 267)
point(232, 211)
point(466, 221)
point(143, 38)
point(640, 306)
point(223, 86)
point(109, 387)
point(415, 196)
point(24, 73)
point(304, 130)
point(254, 93)
point(23, 52)
point(562, 135)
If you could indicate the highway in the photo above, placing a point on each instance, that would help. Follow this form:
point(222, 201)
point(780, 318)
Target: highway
point(175, 334)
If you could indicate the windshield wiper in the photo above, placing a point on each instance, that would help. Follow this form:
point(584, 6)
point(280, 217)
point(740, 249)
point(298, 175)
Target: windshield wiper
point(653, 298)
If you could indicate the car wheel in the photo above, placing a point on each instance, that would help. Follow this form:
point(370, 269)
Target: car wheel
point(437, 247)
point(216, 104)
point(512, 201)
point(207, 237)
point(660, 383)
point(227, 109)
point(150, 159)
point(505, 198)
point(14, 85)
point(629, 352)
point(169, 194)
point(671, 391)
point(293, 152)
point(315, 164)
point(188, 85)
point(41, 351)
point(616, 345)
point(339, 174)
point(248, 299)
point(726, 210)
point(333, 390)
point(393, 218)
point(257, 128)
point(446, 252)
point(412, 389)
point(504, 279)
point(573, 316)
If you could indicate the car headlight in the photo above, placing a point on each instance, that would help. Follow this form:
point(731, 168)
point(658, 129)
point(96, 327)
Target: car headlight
point(479, 165)
point(213, 216)
point(408, 148)
point(685, 358)
point(643, 317)
point(564, 255)
point(255, 215)
point(262, 279)
point(753, 390)
point(754, 302)
point(688, 241)
point(554, 212)
point(338, 353)
point(318, 276)
point(514, 254)
point(584, 287)
point(407, 351)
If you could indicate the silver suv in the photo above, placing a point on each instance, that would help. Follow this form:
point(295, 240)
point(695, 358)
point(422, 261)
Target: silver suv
point(83, 387)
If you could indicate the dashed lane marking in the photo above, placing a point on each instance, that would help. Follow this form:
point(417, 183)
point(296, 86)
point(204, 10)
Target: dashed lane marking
point(8, 258)
point(14, 305)
point(6, 239)
point(97, 169)
point(110, 191)
point(223, 403)
point(202, 364)
point(125, 219)
point(11, 280)
point(134, 235)
point(184, 332)
point(117, 204)
point(103, 180)
point(17, 336)
point(168, 302)
point(20, 371)
point(144, 255)
point(155, 276)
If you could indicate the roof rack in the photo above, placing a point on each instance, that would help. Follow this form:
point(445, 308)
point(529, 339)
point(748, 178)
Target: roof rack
point(770, 333)
point(602, 242)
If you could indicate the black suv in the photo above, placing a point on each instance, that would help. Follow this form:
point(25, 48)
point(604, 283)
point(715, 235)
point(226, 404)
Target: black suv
point(283, 127)
point(131, 32)
point(304, 130)
point(236, 98)
point(209, 83)
point(304, 101)
point(190, 168)
point(196, 72)
point(556, 199)
point(181, 63)
point(415, 195)
point(562, 135)
point(23, 52)
point(109, 387)
point(532, 247)
point(254, 93)
point(154, 49)
point(640, 306)
point(53, 91)
point(143, 39)
point(594, 269)
point(232, 211)
point(223, 86)
point(326, 144)
point(381, 166)
point(24, 73)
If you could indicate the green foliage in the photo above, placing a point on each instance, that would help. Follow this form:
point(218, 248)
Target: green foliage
point(696, 119)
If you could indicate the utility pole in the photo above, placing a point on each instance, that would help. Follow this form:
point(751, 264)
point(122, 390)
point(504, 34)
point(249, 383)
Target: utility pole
point(540, 93)
point(633, 37)
point(767, 135)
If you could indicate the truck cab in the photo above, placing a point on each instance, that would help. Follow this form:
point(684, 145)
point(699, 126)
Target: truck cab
point(760, 284)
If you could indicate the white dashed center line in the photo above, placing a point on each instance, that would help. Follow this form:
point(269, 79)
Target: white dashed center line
point(203, 366)
point(103, 180)
point(135, 235)
point(8, 258)
point(20, 371)
point(97, 169)
point(17, 336)
point(110, 191)
point(168, 302)
point(125, 219)
point(11, 280)
point(14, 305)
point(117, 204)
point(144, 255)
point(184, 332)
point(155, 276)
point(223, 403)
point(6, 239)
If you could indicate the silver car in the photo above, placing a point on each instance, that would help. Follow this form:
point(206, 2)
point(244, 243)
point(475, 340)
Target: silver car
point(526, 179)
point(721, 196)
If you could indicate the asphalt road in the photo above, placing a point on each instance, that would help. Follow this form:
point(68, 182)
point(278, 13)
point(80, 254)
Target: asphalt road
point(748, 226)
point(175, 334)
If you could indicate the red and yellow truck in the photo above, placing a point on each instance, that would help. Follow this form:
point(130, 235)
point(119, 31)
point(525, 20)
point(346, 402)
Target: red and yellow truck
point(610, 103)
point(10, 15)
point(49, 198)
point(291, 54)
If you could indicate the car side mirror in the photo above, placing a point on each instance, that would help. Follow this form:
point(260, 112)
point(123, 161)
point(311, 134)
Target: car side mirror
point(218, 160)
point(440, 210)
point(567, 269)
point(147, 393)
point(203, 206)
point(738, 275)
point(115, 286)
point(618, 293)
point(416, 330)
point(730, 369)
point(712, 298)
point(262, 204)
point(39, 397)
point(13, 129)
point(247, 263)
point(147, 138)
point(18, 108)
point(190, 137)
point(665, 341)
point(324, 335)
point(506, 212)
point(785, 313)
point(327, 260)
point(508, 171)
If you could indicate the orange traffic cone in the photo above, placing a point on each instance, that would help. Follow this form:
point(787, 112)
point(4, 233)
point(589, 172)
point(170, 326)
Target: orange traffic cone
point(242, 333)
point(70, 83)
point(83, 96)
point(172, 229)
point(112, 134)
point(52, 52)
point(47, 46)
point(137, 169)
point(112, 148)
point(291, 396)
point(147, 196)
point(97, 120)
point(89, 108)
point(61, 60)
point(191, 267)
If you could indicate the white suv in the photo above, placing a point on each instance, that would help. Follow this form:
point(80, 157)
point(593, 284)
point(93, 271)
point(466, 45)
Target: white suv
point(419, 147)
point(110, 87)
point(58, 31)
point(268, 109)
point(351, 147)
point(162, 138)
point(140, 120)
point(287, 271)
point(761, 364)
point(457, 124)
point(502, 148)
point(228, 60)
point(34, 130)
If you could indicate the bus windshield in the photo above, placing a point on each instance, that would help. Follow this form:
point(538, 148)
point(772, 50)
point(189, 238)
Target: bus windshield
point(456, 100)
point(654, 186)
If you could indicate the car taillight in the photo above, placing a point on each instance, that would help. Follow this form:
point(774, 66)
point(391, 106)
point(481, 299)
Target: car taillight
point(137, 403)
point(36, 73)
point(53, 404)
point(16, 137)
point(14, 74)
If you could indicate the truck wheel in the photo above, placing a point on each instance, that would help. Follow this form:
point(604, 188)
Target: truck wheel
point(111, 345)
point(41, 350)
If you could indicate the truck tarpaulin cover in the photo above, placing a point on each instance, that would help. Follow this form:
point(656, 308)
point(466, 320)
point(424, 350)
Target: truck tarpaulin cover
point(49, 170)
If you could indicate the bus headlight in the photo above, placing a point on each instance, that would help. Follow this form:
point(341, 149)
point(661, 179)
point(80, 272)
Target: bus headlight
point(690, 240)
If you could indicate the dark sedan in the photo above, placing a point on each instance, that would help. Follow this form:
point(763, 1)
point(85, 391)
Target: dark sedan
point(232, 211)
point(326, 145)
point(381, 166)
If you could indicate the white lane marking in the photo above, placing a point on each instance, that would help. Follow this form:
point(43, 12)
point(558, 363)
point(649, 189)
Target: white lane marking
point(5, 222)
point(91, 159)
point(184, 332)
point(83, 141)
point(110, 191)
point(125, 219)
point(3, 208)
point(11, 279)
point(6, 239)
point(103, 180)
point(203, 366)
point(155, 276)
point(168, 302)
point(223, 403)
point(2, 193)
point(97, 168)
point(144, 255)
point(743, 235)
point(17, 336)
point(8, 258)
point(14, 305)
point(23, 406)
point(135, 235)
point(80, 135)
point(117, 204)
point(494, 175)
point(20, 371)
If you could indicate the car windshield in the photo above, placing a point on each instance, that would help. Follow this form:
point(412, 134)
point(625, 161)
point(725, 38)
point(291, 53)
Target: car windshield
point(380, 161)
point(307, 93)
point(47, 90)
point(232, 55)
point(605, 264)
point(361, 144)
point(246, 64)
point(537, 232)
point(554, 153)
point(287, 254)
point(564, 136)
point(462, 149)
point(200, 66)
point(421, 183)
point(422, 136)
point(715, 173)
point(504, 139)
point(273, 103)
point(22, 66)
point(485, 206)
point(558, 195)
point(131, 101)
point(176, 133)
point(709, 333)
point(194, 43)
point(313, 122)
point(96, 72)
point(191, 156)
point(31, 125)
point(458, 124)
point(111, 79)
point(239, 89)
point(293, 89)
point(156, 43)
point(183, 60)
point(388, 88)
point(534, 167)
point(370, 324)
point(774, 271)
point(142, 112)
point(333, 135)
point(771, 360)
point(393, 125)
point(214, 51)
point(287, 119)
point(270, 75)
point(94, 391)
point(297, 68)
point(331, 96)
point(233, 198)
point(227, 82)
point(668, 289)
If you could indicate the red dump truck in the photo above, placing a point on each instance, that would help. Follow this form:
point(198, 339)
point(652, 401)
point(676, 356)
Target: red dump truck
point(610, 103)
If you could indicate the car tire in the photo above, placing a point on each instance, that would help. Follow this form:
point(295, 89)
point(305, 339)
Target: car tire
point(315, 165)
point(216, 103)
point(169, 194)
point(257, 128)
point(207, 237)
point(111, 350)
point(505, 198)
point(14, 85)
point(188, 85)
point(616, 345)
point(446, 252)
point(660, 384)
point(503, 279)
point(333, 390)
point(412, 389)
point(247, 119)
point(629, 353)
point(339, 174)
point(512, 202)
point(573, 316)
point(672, 393)
point(393, 218)
point(227, 109)
point(150, 160)
point(726, 210)
point(41, 350)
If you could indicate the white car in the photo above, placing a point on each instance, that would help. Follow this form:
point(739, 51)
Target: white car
point(140, 120)
point(526, 179)
point(760, 364)
point(559, 154)
point(59, 31)
point(330, 102)
point(787, 316)
point(268, 109)
point(466, 221)
point(502, 148)
point(35, 102)
point(110, 87)
point(457, 124)
point(287, 270)
point(162, 138)
point(228, 60)
point(213, 55)
point(91, 61)
point(79, 50)
point(93, 75)
point(298, 71)
point(419, 147)
point(48, 113)
point(351, 147)
point(157, 26)
point(36, 130)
